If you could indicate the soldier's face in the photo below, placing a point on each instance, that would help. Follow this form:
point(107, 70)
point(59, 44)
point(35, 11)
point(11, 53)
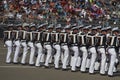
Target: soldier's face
point(43, 28)
point(75, 31)
point(104, 32)
point(94, 31)
point(50, 30)
point(11, 28)
point(26, 28)
point(99, 30)
point(20, 28)
point(40, 29)
point(108, 31)
point(116, 33)
point(33, 28)
point(67, 30)
point(85, 30)
point(80, 29)
point(58, 30)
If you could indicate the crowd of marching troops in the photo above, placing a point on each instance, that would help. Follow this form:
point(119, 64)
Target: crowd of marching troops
point(75, 46)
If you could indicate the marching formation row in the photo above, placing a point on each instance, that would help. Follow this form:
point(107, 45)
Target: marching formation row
point(81, 46)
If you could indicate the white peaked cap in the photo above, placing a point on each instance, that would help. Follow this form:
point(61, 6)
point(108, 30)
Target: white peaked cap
point(115, 29)
point(58, 26)
point(25, 24)
point(51, 26)
point(67, 26)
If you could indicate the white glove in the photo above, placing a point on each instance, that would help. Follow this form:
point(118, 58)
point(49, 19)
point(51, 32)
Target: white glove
point(4, 45)
point(119, 55)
